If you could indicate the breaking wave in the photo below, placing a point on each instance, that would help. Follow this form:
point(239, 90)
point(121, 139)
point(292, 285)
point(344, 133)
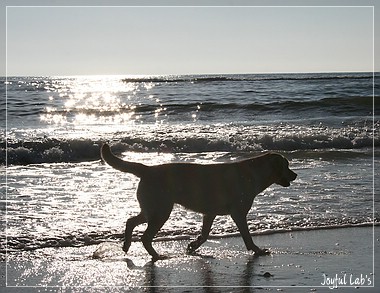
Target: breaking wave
point(21, 152)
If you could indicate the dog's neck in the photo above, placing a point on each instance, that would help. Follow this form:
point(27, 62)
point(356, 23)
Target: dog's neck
point(263, 179)
point(265, 183)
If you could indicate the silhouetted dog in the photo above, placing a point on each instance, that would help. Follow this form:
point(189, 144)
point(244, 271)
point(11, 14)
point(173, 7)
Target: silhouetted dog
point(215, 189)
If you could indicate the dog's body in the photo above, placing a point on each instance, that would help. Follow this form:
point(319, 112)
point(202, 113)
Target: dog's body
point(215, 189)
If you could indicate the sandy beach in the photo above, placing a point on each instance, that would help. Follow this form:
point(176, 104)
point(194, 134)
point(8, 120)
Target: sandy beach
point(303, 261)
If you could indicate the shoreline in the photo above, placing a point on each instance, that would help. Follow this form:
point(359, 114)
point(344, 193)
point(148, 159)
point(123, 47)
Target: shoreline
point(313, 259)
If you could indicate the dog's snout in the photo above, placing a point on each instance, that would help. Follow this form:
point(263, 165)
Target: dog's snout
point(294, 176)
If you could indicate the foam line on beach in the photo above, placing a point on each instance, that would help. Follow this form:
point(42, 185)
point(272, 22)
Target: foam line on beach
point(24, 243)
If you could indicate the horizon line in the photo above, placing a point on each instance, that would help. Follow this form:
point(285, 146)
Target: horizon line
point(186, 74)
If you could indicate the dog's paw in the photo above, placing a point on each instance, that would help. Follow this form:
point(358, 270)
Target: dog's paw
point(159, 257)
point(264, 251)
point(126, 247)
point(194, 245)
point(191, 248)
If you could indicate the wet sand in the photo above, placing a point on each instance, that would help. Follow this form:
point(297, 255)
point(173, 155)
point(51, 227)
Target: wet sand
point(303, 261)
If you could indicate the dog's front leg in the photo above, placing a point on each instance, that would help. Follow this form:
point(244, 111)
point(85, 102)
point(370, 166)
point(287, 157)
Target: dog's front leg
point(241, 222)
point(207, 223)
point(131, 224)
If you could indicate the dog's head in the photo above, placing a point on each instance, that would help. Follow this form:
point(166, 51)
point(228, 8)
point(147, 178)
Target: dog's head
point(282, 174)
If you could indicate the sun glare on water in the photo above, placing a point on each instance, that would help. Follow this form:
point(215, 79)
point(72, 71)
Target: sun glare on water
point(95, 100)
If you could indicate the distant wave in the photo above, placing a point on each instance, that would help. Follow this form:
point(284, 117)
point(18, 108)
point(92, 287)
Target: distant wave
point(245, 77)
point(353, 105)
point(329, 104)
point(184, 78)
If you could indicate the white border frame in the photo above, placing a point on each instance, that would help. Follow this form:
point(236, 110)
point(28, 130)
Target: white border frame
point(187, 6)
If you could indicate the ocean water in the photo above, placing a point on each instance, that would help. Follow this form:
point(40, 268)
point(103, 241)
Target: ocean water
point(57, 192)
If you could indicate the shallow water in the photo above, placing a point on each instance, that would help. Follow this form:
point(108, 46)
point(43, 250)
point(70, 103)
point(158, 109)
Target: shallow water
point(65, 204)
point(60, 194)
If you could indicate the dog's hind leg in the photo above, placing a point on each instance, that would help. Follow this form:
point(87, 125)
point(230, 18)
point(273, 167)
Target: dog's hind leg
point(207, 223)
point(131, 224)
point(155, 222)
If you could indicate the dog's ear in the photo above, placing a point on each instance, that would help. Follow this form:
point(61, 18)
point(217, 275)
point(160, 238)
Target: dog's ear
point(279, 163)
point(277, 160)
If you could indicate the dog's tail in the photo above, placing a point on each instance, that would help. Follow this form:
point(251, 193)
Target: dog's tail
point(117, 163)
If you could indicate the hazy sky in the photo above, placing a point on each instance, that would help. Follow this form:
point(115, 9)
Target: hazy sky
point(185, 40)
